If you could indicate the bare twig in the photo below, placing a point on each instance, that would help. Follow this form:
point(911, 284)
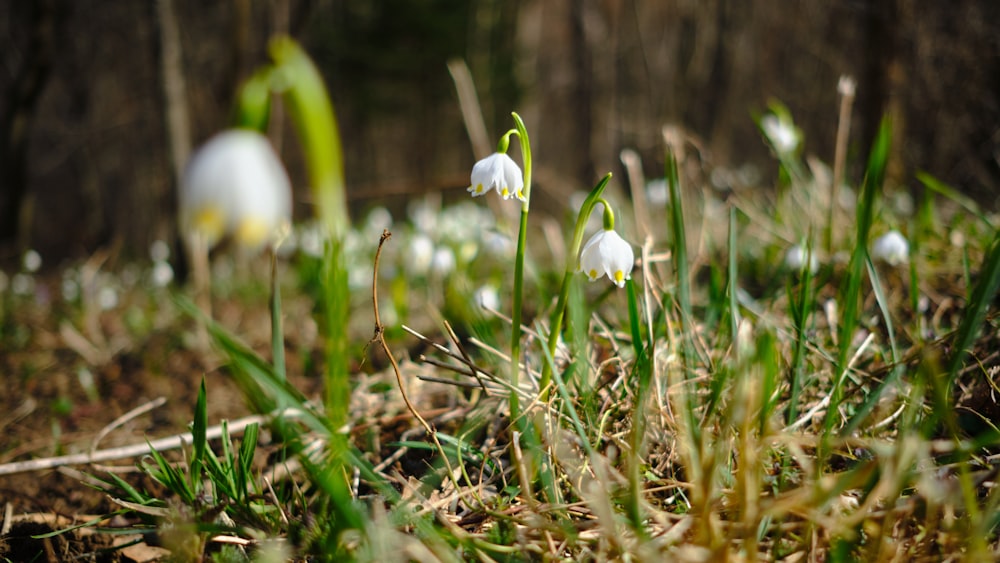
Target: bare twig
point(380, 338)
point(134, 450)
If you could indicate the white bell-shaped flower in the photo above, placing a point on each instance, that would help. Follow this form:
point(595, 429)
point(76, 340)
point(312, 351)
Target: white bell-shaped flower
point(607, 253)
point(892, 248)
point(236, 185)
point(497, 172)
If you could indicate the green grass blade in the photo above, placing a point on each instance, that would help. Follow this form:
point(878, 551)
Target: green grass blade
point(801, 306)
point(883, 305)
point(198, 437)
point(975, 312)
point(947, 191)
point(850, 297)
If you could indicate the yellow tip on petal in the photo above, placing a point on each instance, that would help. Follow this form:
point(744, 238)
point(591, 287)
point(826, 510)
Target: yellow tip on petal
point(210, 223)
point(505, 192)
point(252, 232)
point(592, 274)
point(619, 277)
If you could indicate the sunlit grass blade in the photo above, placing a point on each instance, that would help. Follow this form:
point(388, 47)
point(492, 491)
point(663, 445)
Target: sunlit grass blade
point(947, 191)
point(975, 312)
point(681, 270)
point(801, 304)
point(851, 294)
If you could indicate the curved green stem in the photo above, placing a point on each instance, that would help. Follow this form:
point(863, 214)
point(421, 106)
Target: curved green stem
point(571, 266)
point(298, 80)
point(522, 235)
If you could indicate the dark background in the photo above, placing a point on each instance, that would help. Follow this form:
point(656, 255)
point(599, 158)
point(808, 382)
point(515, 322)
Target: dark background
point(86, 158)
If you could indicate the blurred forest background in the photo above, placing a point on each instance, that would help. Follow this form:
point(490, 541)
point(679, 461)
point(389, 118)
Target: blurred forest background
point(89, 152)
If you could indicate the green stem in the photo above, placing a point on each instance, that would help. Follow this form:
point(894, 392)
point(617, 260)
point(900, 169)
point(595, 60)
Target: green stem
point(572, 259)
point(277, 333)
point(308, 103)
point(643, 373)
point(315, 121)
point(522, 235)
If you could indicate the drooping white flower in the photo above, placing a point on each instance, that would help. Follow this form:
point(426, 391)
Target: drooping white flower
point(497, 172)
point(892, 248)
point(782, 133)
point(236, 185)
point(607, 253)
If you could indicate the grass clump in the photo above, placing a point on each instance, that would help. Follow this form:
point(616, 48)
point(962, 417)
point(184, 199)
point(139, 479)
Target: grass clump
point(713, 403)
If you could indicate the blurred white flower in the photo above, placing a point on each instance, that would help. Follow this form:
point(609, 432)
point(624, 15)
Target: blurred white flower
point(892, 248)
point(70, 287)
point(107, 298)
point(497, 171)
point(795, 259)
point(488, 297)
point(467, 250)
point(782, 133)
point(607, 253)
point(657, 192)
point(22, 284)
point(421, 253)
point(466, 220)
point(161, 274)
point(31, 261)
point(310, 239)
point(423, 215)
point(443, 261)
point(378, 220)
point(236, 185)
point(159, 251)
point(497, 243)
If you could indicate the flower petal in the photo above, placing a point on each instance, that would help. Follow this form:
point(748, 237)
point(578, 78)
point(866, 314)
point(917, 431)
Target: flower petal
point(608, 253)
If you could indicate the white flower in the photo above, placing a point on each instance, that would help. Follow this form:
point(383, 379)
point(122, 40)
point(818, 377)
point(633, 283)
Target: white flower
point(795, 258)
point(488, 297)
point(235, 185)
point(497, 171)
point(159, 251)
point(379, 219)
point(161, 274)
point(607, 253)
point(782, 133)
point(107, 298)
point(31, 261)
point(421, 253)
point(442, 261)
point(891, 248)
point(657, 192)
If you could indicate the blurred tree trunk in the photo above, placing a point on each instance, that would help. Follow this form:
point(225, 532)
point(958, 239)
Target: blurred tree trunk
point(25, 88)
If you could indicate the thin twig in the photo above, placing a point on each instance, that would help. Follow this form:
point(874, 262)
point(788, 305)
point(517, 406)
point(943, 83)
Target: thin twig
point(132, 414)
point(380, 338)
